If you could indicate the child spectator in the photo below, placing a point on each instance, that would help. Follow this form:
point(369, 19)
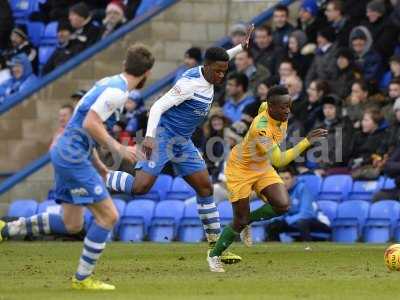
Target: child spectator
point(346, 73)
point(63, 50)
point(366, 143)
point(115, 17)
point(20, 44)
point(22, 76)
point(298, 54)
point(282, 27)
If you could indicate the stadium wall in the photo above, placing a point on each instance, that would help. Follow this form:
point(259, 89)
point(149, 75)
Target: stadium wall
point(188, 23)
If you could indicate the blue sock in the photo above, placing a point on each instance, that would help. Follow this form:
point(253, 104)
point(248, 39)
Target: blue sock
point(36, 225)
point(209, 216)
point(93, 246)
point(120, 182)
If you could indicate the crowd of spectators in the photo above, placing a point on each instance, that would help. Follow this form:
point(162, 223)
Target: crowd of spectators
point(341, 64)
point(80, 24)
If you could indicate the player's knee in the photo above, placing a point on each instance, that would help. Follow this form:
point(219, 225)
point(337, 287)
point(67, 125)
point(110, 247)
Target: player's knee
point(205, 190)
point(73, 227)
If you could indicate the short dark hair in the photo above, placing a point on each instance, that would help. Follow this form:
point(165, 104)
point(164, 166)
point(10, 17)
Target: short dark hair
point(375, 113)
point(322, 86)
point(138, 60)
point(281, 7)
point(338, 4)
point(241, 79)
point(265, 28)
point(395, 81)
point(69, 107)
point(214, 54)
point(363, 84)
point(277, 90)
point(195, 53)
point(287, 60)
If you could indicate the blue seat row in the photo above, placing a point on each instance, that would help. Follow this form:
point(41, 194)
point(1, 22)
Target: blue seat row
point(342, 187)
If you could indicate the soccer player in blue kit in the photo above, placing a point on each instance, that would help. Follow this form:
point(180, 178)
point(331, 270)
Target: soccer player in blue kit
point(79, 173)
point(172, 120)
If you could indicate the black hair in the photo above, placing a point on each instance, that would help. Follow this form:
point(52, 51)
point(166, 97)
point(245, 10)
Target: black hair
point(277, 90)
point(215, 54)
point(338, 4)
point(281, 7)
point(240, 78)
point(265, 28)
point(65, 26)
point(195, 53)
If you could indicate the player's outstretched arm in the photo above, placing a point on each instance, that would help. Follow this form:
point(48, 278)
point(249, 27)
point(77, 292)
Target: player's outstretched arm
point(281, 159)
point(244, 46)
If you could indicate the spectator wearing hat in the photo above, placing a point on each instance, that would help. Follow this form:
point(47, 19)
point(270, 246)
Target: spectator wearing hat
point(340, 133)
point(85, 32)
point(341, 25)
point(282, 27)
point(324, 62)
point(366, 58)
point(63, 51)
point(391, 74)
point(298, 54)
point(6, 24)
point(115, 17)
point(264, 50)
point(22, 76)
point(20, 44)
point(384, 32)
point(309, 21)
point(193, 57)
point(346, 73)
point(238, 98)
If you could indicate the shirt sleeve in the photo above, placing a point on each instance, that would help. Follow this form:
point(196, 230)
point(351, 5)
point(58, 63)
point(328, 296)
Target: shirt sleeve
point(175, 96)
point(235, 50)
point(108, 102)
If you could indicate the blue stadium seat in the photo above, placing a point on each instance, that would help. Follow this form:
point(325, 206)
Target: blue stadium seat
point(329, 208)
point(22, 208)
point(49, 36)
point(225, 212)
point(167, 216)
point(45, 52)
point(258, 228)
point(180, 190)
point(120, 205)
point(389, 183)
point(136, 220)
point(191, 228)
point(335, 187)
point(159, 189)
point(348, 224)
point(48, 206)
point(313, 183)
point(35, 32)
point(380, 225)
point(363, 190)
point(21, 9)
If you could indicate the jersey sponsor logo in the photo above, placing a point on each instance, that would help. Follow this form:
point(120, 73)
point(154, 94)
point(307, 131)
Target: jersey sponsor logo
point(79, 192)
point(152, 164)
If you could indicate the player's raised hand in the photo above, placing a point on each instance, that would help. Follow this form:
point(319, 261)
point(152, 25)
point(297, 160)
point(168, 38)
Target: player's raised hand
point(316, 134)
point(249, 32)
point(132, 154)
point(148, 145)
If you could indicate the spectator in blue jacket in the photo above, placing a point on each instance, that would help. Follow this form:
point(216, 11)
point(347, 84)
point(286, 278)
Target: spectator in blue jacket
point(302, 216)
point(236, 88)
point(22, 76)
point(368, 60)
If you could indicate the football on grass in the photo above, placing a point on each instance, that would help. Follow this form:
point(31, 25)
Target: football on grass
point(392, 257)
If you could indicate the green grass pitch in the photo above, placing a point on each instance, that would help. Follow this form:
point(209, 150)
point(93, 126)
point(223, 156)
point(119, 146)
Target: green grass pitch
point(41, 270)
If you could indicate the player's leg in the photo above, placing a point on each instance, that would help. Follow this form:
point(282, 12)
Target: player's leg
point(124, 182)
point(241, 217)
point(105, 216)
point(69, 222)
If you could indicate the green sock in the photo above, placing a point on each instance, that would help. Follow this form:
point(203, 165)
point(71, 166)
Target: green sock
point(265, 212)
point(226, 238)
